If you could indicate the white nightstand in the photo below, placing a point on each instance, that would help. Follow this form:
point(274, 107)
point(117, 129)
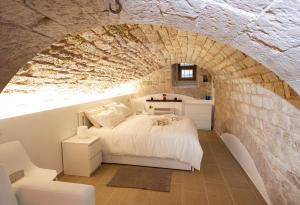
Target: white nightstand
point(81, 156)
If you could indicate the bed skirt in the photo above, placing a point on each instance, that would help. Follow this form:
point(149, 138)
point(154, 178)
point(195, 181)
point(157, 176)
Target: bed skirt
point(146, 161)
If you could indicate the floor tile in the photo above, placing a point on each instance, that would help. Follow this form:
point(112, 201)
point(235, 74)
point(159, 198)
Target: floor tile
point(193, 181)
point(245, 197)
point(218, 194)
point(194, 198)
point(235, 178)
point(212, 174)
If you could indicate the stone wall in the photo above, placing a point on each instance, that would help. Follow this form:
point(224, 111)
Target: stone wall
point(269, 127)
point(160, 82)
point(264, 113)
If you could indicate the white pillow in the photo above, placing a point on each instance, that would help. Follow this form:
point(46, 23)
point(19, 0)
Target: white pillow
point(109, 118)
point(137, 106)
point(110, 105)
point(91, 115)
point(126, 111)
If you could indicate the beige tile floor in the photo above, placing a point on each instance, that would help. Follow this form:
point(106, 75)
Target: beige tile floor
point(220, 181)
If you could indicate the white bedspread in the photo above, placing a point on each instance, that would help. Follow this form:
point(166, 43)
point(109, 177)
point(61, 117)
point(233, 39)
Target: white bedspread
point(137, 136)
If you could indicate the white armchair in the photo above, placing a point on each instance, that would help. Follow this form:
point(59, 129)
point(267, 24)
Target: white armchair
point(15, 158)
point(37, 186)
point(40, 192)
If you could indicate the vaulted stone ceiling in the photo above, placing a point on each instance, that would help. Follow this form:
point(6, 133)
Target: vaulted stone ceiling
point(263, 29)
point(106, 56)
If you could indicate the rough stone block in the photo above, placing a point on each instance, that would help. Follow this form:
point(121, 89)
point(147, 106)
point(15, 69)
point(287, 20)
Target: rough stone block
point(221, 22)
point(278, 25)
point(255, 6)
point(268, 103)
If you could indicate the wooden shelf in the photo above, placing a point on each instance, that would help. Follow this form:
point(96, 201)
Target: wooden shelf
point(164, 100)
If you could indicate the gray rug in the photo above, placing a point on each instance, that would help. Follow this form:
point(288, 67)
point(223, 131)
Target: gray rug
point(142, 178)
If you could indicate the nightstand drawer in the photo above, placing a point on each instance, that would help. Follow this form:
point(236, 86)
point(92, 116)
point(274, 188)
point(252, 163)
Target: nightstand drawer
point(94, 148)
point(194, 109)
point(95, 162)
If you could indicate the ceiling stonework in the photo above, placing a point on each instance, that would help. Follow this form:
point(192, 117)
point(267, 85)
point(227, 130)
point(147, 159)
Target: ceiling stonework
point(106, 56)
point(265, 30)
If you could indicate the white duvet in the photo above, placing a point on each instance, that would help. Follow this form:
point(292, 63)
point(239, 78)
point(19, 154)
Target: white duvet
point(137, 136)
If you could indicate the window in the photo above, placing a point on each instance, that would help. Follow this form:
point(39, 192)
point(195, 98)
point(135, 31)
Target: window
point(187, 72)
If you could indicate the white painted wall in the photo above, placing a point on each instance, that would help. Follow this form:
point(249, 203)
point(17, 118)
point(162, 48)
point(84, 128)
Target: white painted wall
point(41, 133)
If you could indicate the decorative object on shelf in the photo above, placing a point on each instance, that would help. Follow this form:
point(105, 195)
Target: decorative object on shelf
point(151, 98)
point(178, 100)
point(175, 98)
point(207, 97)
point(151, 109)
point(82, 132)
point(205, 78)
point(164, 96)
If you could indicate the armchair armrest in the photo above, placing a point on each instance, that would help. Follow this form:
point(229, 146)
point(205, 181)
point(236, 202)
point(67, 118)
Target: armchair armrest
point(39, 192)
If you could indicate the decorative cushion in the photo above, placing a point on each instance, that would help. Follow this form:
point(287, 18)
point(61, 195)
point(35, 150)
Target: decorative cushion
point(109, 118)
point(138, 107)
point(126, 111)
point(160, 121)
point(110, 104)
point(16, 176)
point(165, 120)
point(91, 115)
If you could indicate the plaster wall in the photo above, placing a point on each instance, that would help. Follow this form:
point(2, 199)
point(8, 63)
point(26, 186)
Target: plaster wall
point(41, 133)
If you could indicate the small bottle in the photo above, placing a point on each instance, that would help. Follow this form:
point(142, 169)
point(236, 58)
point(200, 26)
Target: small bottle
point(164, 96)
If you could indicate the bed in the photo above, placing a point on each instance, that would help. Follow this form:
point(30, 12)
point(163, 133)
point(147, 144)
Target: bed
point(138, 141)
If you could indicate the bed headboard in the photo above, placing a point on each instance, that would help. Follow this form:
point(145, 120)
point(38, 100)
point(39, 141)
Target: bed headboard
point(83, 120)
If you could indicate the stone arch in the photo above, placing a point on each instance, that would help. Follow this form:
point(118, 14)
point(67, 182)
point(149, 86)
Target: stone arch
point(252, 27)
point(107, 55)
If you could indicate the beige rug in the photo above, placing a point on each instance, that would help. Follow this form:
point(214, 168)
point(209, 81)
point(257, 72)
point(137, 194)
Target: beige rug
point(142, 178)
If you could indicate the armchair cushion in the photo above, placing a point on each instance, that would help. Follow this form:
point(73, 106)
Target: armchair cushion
point(7, 195)
point(37, 192)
